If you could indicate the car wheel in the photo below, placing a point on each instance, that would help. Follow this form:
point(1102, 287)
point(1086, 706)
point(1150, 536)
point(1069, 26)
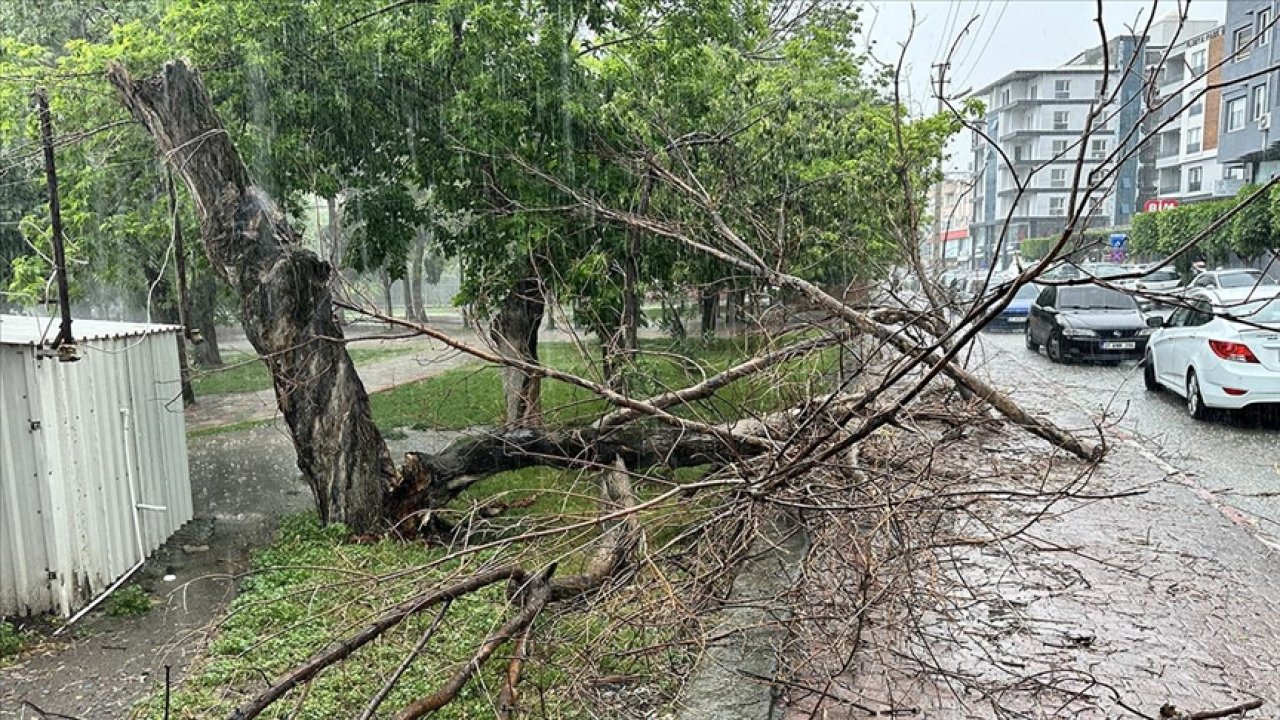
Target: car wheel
point(1032, 345)
point(1149, 373)
point(1195, 402)
point(1053, 348)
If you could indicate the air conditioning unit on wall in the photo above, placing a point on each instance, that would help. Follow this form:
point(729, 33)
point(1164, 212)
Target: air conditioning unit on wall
point(1264, 121)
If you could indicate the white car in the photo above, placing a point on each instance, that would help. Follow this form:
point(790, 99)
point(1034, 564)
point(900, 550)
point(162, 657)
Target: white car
point(1221, 350)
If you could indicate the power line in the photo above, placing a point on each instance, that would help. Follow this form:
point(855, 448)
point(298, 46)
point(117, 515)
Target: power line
point(990, 35)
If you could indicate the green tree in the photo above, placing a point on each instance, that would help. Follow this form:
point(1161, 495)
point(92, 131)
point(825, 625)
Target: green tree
point(1251, 234)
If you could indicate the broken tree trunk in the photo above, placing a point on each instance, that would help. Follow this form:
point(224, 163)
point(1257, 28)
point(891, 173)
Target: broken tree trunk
point(432, 480)
point(514, 332)
point(285, 300)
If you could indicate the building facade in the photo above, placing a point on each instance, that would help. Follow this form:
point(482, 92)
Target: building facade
point(953, 208)
point(1248, 148)
point(1186, 123)
point(1026, 155)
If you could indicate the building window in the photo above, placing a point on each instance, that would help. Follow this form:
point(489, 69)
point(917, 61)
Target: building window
point(1062, 89)
point(1097, 87)
point(1233, 173)
point(1199, 62)
point(1197, 108)
point(1057, 177)
point(1193, 140)
point(1005, 96)
point(1060, 119)
point(1195, 179)
point(1243, 37)
point(1057, 206)
point(1059, 147)
point(1034, 92)
point(1235, 114)
point(1258, 99)
point(1264, 26)
point(1098, 149)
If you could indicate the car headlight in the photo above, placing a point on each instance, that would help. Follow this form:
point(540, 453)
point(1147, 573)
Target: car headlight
point(1068, 331)
point(1144, 332)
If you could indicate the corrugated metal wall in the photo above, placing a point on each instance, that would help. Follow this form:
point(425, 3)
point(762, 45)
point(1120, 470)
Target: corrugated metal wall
point(66, 513)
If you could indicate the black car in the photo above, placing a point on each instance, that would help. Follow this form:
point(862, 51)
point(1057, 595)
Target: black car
point(1087, 321)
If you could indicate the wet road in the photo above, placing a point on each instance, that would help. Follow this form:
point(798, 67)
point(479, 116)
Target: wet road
point(1235, 457)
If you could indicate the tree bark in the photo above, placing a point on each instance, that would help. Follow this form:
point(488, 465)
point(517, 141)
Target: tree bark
point(184, 297)
point(204, 316)
point(284, 292)
point(514, 331)
point(710, 306)
point(432, 480)
point(413, 278)
point(388, 304)
point(336, 249)
point(631, 278)
point(732, 310)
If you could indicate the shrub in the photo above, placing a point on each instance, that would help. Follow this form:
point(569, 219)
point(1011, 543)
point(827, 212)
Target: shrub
point(10, 640)
point(130, 601)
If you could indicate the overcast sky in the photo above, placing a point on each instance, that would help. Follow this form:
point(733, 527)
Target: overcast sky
point(1007, 35)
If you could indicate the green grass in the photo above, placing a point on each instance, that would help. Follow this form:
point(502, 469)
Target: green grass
point(11, 642)
point(314, 584)
point(130, 601)
point(470, 396)
point(233, 427)
point(245, 373)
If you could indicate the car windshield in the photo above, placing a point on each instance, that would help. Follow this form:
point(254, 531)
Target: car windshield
point(1027, 292)
point(1246, 278)
point(1262, 312)
point(1089, 298)
point(1162, 275)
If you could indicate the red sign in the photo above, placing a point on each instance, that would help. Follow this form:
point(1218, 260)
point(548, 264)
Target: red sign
point(1158, 204)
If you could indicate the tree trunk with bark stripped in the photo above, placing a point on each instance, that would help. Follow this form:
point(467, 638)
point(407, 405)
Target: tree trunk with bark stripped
point(284, 292)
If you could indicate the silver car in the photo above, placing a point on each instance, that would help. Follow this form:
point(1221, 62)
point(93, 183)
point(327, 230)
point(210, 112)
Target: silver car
point(1156, 283)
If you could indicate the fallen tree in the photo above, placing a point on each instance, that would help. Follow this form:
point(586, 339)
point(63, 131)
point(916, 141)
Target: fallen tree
point(288, 314)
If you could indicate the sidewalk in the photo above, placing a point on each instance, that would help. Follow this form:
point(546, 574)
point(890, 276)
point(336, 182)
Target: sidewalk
point(429, 358)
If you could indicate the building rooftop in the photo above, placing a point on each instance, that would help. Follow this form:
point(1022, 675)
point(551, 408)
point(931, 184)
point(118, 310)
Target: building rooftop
point(27, 330)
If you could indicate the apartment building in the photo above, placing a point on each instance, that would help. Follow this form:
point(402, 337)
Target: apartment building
point(1248, 145)
point(1025, 158)
point(953, 205)
point(1185, 123)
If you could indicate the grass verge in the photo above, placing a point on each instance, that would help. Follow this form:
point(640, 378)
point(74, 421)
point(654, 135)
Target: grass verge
point(470, 396)
point(314, 584)
point(245, 373)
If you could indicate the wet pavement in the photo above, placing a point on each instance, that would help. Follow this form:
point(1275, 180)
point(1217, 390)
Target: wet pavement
point(1235, 457)
point(1103, 609)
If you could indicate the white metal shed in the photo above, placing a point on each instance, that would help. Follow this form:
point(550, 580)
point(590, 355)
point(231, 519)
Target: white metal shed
point(93, 459)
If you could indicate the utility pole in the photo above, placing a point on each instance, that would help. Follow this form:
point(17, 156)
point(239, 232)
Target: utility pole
point(64, 343)
point(938, 242)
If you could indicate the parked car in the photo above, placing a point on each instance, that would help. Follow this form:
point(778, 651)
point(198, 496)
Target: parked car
point(1086, 321)
point(1155, 284)
point(1230, 278)
point(1219, 362)
point(1104, 269)
point(1014, 316)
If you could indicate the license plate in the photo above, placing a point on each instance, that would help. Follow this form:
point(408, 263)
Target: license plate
point(1118, 346)
point(1018, 319)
